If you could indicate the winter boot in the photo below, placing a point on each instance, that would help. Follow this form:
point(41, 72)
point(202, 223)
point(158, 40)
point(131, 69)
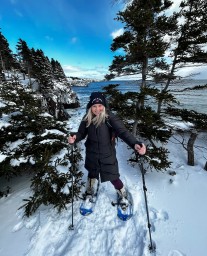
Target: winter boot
point(91, 187)
point(122, 198)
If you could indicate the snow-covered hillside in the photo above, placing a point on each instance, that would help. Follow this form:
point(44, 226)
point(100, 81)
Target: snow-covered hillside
point(176, 206)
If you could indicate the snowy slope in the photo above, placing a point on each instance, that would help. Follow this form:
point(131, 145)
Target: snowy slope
point(177, 214)
point(176, 205)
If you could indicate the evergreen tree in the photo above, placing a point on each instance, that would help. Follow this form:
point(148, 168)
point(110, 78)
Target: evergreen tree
point(25, 57)
point(7, 58)
point(150, 126)
point(146, 27)
point(188, 42)
point(42, 69)
point(143, 44)
point(58, 72)
point(38, 140)
point(143, 39)
point(31, 139)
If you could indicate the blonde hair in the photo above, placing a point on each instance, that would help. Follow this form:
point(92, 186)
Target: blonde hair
point(96, 120)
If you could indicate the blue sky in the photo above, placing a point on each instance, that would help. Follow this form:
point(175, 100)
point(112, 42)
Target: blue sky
point(77, 33)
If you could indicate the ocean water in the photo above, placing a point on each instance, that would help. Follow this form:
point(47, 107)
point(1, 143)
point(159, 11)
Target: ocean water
point(189, 99)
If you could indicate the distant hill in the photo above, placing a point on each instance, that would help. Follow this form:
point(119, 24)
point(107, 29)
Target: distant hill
point(77, 81)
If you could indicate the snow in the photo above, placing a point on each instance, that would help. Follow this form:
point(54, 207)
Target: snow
point(181, 125)
point(52, 131)
point(2, 105)
point(16, 162)
point(177, 212)
point(4, 122)
point(2, 157)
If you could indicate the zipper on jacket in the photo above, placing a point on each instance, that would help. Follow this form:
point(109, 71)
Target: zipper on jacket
point(97, 140)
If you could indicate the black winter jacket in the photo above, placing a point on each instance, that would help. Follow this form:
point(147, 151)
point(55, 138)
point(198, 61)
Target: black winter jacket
point(100, 149)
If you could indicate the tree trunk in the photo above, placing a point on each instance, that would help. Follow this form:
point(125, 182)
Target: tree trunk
point(190, 150)
point(205, 167)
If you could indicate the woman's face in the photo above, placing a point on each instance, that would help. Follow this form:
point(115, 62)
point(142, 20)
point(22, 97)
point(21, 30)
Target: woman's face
point(97, 109)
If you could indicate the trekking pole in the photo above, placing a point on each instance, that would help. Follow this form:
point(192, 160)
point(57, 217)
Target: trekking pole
point(152, 246)
point(71, 227)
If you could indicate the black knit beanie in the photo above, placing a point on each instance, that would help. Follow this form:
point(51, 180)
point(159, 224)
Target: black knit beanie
point(96, 98)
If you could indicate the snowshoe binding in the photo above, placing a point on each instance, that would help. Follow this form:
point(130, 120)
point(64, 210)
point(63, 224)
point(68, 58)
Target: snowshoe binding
point(89, 197)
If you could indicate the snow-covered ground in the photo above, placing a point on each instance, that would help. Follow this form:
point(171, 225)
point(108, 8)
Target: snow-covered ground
point(176, 205)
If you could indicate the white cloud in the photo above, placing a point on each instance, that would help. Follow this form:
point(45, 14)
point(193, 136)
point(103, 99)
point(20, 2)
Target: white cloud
point(69, 68)
point(117, 33)
point(97, 72)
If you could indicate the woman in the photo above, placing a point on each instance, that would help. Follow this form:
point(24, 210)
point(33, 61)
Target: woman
point(100, 147)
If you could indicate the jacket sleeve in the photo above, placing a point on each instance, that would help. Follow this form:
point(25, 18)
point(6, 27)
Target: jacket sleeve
point(121, 131)
point(82, 131)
